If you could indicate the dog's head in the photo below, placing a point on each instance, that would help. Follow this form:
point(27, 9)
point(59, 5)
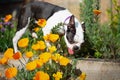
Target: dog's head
point(74, 35)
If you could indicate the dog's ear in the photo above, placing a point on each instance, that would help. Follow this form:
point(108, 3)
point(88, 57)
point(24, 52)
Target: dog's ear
point(72, 20)
point(71, 25)
point(71, 30)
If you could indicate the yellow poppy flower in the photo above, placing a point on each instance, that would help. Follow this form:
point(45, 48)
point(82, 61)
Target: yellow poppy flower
point(40, 75)
point(23, 42)
point(17, 56)
point(3, 60)
point(52, 49)
point(97, 12)
point(64, 61)
point(45, 37)
point(53, 37)
point(39, 62)
point(31, 65)
point(35, 46)
point(45, 56)
point(58, 75)
point(56, 57)
point(8, 53)
point(7, 18)
point(29, 54)
point(11, 72)
point(82, 76)
point(42, 45)
point(41, 22)
point(36, 29)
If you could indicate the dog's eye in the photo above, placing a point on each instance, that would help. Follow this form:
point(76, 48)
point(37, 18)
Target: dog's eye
point(68, 29)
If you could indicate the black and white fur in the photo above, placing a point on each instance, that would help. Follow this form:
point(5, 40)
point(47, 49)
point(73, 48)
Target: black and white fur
point(74, 35)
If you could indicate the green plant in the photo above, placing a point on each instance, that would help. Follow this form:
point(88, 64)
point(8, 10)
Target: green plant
point(7, 31)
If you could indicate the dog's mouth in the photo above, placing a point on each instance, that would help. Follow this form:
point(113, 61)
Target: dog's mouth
point(73, 49)
point(70, 51)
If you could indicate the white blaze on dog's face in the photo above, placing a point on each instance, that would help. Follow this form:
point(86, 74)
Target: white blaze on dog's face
point(73, 35)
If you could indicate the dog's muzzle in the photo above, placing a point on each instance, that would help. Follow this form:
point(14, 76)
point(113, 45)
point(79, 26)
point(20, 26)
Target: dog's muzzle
point(75, 48)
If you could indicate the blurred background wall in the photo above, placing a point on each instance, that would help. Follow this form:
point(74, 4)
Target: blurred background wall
point(72, 5)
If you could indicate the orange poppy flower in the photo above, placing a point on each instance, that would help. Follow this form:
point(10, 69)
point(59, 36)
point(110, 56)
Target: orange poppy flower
point(11, 72)
point(97, 12)
point(41, 22)
point(23, 42)
point(39, 62)
point(7, 18)
point(17, 55)
point(40, 75)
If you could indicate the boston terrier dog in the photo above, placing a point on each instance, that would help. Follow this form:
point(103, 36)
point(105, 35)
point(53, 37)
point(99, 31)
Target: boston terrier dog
point(74, 34)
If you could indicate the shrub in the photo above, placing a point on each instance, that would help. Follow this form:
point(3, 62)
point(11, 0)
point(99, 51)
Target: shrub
point(114, 25)
point(89, 13)
point(103, 38)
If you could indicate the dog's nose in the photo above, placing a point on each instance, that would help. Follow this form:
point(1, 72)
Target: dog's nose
point(75, 48)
